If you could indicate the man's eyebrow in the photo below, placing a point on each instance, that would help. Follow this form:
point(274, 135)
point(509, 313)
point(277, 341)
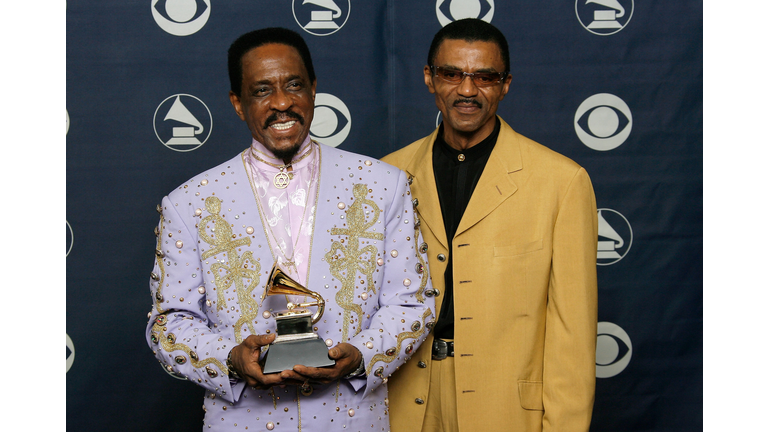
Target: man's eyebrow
point(260, 82)
point(456, 68)
point(488, 69)
point(268, 81)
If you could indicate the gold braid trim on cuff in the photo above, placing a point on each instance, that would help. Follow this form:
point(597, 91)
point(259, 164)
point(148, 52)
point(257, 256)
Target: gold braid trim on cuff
point(158, 298)
point(400, 338)
point(168, 344)
point(422, 262)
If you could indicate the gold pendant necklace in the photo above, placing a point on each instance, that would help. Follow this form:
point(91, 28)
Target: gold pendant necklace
point(283, 178)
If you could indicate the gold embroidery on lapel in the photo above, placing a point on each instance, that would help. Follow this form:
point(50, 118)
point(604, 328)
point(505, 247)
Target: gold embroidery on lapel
point(235, 270)
point(400, 338)
point(346, 261)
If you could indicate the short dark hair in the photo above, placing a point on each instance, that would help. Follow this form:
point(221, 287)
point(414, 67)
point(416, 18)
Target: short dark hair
point(470, 30)
point(257, 38)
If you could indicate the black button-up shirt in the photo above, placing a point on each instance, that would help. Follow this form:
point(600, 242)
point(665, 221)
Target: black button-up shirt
point(456, 175)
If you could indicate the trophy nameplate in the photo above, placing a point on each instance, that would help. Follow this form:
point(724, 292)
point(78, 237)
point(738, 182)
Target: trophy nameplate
point(296, 343)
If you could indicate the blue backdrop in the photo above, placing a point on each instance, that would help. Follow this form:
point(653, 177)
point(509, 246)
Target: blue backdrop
point(615, 85)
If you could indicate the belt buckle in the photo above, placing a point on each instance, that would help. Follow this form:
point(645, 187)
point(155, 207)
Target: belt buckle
point(440, 349)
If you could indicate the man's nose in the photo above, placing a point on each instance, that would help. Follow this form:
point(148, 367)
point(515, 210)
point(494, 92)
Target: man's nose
point(467, 87)
point(280, 100)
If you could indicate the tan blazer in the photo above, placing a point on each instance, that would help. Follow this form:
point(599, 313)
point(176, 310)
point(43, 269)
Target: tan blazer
point(525, 292)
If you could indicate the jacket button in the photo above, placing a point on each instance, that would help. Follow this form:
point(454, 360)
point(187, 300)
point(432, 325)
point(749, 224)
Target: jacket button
point(422, 364)
point(440, 257)
point(420, 401)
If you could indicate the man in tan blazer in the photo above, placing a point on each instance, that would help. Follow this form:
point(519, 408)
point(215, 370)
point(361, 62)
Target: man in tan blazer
point(510, 230)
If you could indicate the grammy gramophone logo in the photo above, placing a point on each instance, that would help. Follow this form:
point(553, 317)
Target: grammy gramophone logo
point(321, 17)
point(614, 236)
point(604, 17)
point(182, 122)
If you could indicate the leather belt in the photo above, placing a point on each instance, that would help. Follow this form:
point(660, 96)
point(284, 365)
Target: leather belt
point(441, 349)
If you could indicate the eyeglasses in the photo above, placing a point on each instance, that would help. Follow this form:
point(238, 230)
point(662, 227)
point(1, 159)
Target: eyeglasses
point(481, 79)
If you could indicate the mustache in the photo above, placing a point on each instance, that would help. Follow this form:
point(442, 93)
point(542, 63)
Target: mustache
point(276, 116)
point(467, 101)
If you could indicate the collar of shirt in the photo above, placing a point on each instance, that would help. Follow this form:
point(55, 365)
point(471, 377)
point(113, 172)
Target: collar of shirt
point(479, 150)
point(260, 151)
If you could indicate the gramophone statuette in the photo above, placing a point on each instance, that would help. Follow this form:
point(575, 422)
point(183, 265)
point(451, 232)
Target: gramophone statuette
point(296, 342)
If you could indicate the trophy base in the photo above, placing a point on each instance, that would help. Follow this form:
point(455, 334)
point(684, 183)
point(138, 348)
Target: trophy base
point(285, 355)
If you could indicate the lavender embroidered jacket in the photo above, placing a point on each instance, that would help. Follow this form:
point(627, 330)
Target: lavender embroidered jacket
point(367, 260)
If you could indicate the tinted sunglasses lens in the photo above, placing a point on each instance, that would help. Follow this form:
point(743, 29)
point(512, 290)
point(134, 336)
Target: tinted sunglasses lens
point(486, 79)
point(451, 76)
point(481, 79)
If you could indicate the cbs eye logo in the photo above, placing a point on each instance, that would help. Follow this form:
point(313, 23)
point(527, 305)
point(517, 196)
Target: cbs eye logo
point(332, 120)
point(452, 10)
point(181, 17)
point(70, 353)
point(70, 238)
point(603, 122)
point(614, 350)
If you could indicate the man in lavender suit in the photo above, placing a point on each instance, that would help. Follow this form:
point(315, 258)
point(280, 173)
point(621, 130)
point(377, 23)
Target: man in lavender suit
point(342, 225)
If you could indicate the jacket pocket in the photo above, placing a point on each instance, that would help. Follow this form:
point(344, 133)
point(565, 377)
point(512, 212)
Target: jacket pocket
point(518, 249)
point(531, 394)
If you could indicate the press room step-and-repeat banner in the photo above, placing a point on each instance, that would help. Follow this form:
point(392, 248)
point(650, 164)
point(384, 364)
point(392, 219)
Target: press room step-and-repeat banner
point(615, 85)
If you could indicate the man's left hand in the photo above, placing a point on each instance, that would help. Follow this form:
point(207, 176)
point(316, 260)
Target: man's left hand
point(347, 358)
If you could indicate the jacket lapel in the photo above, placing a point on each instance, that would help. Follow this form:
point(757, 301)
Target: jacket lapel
point(495, 184)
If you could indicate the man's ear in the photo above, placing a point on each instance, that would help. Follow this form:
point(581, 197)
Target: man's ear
point(505, 86)
point(235, 100)
point(314, 89)
point(428, 79)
